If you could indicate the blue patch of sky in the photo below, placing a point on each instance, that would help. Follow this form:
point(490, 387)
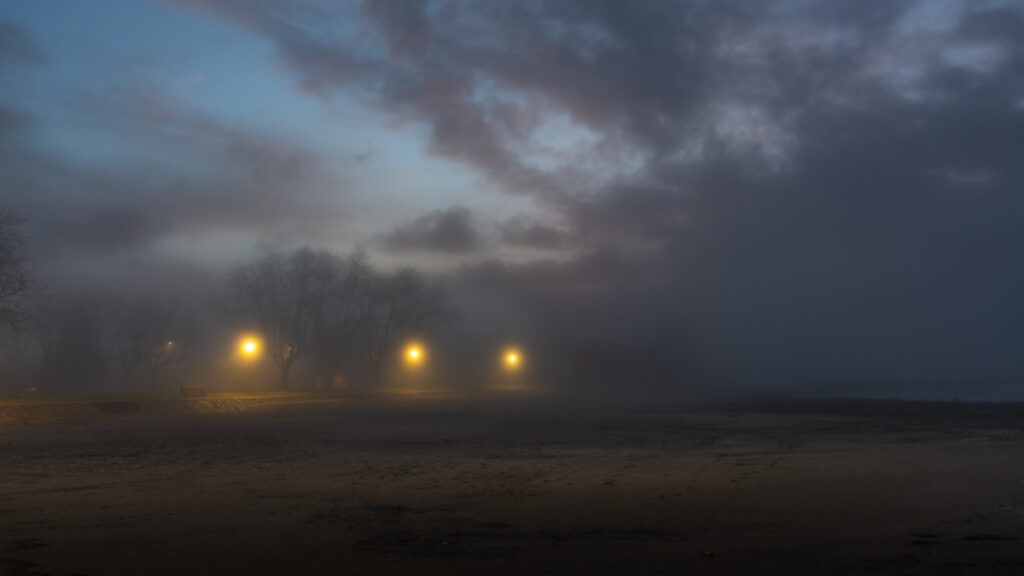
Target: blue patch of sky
point(118, 49)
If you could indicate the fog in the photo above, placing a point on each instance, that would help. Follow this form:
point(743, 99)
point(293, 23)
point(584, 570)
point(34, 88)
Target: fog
point(512, 287)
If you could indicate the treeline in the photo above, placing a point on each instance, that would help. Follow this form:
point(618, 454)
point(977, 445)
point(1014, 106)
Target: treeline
point(315, 303)
point(105, 341)
point(335, 315)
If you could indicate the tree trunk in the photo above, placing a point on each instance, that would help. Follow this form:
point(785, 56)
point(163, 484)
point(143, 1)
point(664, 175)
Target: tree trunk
point(378, 369)
point(286, 368)
point(329, 375)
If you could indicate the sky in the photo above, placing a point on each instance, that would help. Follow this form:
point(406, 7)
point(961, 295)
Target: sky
point(793, 195)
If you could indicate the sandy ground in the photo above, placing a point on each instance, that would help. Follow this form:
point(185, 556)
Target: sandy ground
point(322, 486)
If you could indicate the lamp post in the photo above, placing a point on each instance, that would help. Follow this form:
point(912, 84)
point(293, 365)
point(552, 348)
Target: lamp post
point(415, 354)
point(512, 359)
point(248, 351)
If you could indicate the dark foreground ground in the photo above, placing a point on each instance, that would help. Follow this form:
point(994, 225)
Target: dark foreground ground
point(305, 486)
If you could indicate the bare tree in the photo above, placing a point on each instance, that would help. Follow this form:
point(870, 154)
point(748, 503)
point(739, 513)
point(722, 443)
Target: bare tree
point(397, 307)
point(336, 328)
point(15, 279)
point(121, 334)
point(313, 302)
point(149, 332)
point(282, 296)
point(71, 343)
point(159, 355)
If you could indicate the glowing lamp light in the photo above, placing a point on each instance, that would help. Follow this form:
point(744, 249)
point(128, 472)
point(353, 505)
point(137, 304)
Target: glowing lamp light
point(512, 359)
point(414, 354)
point(248, 347)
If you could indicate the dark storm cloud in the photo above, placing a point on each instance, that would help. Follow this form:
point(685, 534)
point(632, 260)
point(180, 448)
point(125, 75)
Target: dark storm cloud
point(13, 124)
point(647, 78)
point(15, 48)
point(855, 212)
point(407, 78)
point(15, 45)
point(522, 232)
point(106, 228)
point(449, 231)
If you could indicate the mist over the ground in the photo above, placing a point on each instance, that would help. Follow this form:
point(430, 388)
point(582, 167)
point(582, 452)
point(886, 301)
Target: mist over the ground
point(649, 198)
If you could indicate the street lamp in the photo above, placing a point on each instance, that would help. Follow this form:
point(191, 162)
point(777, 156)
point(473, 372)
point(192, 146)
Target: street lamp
point(248, 346)
point(414, 354)
point(512, 359)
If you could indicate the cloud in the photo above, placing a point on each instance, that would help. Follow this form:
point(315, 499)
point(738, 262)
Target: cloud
point(13, 124)
point(450, 231)
point(522, 232)
point(16, 46)
point(759, 193)
point(826, 242)
point(189, 178)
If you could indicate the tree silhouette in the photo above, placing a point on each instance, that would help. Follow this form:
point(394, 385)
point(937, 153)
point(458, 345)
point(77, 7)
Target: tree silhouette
point(336, 330)
point(397, 307)
point(283, 297)
point(16, 286)
point(147, 332)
